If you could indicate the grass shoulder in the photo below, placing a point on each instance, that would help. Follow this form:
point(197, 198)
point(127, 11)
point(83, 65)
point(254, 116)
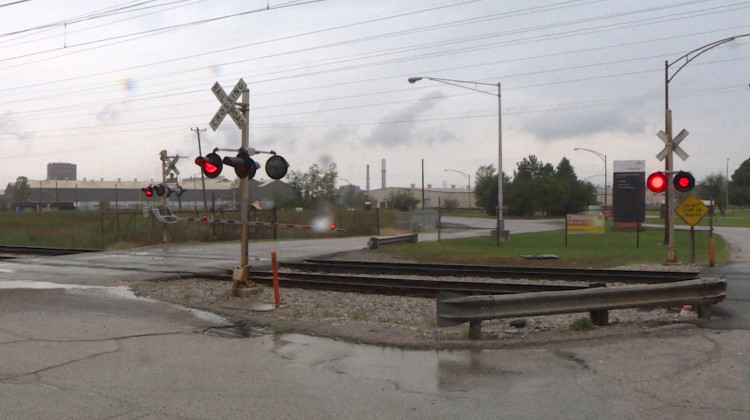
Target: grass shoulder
point(610, 249)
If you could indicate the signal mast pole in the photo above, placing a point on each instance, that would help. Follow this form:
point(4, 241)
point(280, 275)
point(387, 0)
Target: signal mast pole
point(241, 280)
point(203, 179)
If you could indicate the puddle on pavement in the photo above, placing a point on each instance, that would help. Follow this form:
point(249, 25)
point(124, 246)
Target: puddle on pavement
point(415, 370)
point(117, 292)
point(429, 371)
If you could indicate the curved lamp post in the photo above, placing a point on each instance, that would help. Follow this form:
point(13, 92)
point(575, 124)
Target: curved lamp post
point(465, 84)
point(467, 177)
point(680, 63)
point(603, 157)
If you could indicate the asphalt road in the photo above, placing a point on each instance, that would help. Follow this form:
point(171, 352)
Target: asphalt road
point(75, 344)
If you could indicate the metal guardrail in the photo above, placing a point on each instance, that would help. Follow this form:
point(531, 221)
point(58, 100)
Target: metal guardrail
point(455, 310)
point(375, 242)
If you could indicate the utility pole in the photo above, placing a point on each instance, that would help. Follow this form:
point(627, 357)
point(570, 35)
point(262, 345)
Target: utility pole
point(203, 180)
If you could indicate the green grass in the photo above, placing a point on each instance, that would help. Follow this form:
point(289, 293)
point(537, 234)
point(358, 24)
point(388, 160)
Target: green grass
point(733, 218)
point(127, 228)
point(584, 250)
point(582, 324)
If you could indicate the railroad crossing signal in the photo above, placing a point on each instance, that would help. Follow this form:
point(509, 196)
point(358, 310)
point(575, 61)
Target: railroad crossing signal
point(228, 105)
point(211, 164)
point(244, 166)
point(683, 181)
point(675, 141)
point(657, 182)
point(162, 190)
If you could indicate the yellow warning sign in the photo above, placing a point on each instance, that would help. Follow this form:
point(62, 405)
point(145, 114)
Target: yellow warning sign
point(691, 210)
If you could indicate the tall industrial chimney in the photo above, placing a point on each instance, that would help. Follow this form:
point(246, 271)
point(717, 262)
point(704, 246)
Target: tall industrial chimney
point(382, 173)
point(367, 186)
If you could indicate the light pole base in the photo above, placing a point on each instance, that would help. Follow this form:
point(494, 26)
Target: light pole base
point(241, 284)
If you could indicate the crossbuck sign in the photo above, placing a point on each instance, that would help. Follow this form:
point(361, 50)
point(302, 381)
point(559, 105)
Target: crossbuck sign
point(228, 105)
point(676, 141)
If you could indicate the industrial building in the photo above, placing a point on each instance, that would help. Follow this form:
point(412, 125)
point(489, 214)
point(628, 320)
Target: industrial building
point(89, 194)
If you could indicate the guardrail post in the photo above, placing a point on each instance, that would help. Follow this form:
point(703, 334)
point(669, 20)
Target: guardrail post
point(475, 329)
point(703, 311)
point(599, 317)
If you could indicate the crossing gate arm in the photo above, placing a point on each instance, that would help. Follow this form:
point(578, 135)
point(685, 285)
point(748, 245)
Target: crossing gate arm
point(238, 222)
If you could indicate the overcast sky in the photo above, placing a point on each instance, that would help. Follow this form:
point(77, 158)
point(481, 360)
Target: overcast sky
point(107, 85)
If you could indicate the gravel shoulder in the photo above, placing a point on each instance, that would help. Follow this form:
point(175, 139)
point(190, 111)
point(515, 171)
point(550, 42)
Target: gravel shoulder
point(406, 322)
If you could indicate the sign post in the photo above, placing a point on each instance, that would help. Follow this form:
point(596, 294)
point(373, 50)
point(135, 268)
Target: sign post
point(692, 210)
point(671, 147)
point(239, 113)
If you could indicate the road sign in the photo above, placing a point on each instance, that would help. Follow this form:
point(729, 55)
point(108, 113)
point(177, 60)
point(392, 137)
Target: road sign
point(228, 105)
point(691, 210)
point(676, 141)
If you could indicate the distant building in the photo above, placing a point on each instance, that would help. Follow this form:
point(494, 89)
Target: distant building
point(93, 194)
point(432, 196)
point(61, 171)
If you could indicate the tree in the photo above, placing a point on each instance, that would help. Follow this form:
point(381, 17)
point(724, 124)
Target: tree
point(402, 200)
point(450, 203)
point(316, 185)
point(20, 191)
point(739, 188)
point(540, 187)
point(485, 189)
point(713, 187)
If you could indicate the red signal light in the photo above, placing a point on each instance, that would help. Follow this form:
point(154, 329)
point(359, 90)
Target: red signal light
point(148, 191)
point(210, 164)
point(243, 165)
point(657, 182)
point(333, 226)
point(683, 181)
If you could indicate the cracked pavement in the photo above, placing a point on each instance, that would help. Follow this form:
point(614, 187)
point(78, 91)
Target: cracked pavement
point(78, 353)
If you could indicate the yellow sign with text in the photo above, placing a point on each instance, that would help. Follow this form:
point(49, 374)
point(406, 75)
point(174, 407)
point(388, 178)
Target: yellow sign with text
point(585, 223)
point(691, 210)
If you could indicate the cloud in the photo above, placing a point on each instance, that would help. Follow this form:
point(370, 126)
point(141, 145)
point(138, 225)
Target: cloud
point(111, 112)
point(11, 126)
point(401, 128)
point(563, 124)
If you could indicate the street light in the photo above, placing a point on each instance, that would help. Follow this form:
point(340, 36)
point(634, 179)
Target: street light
point(603, 157)
point(467, 176)
point(726, 190)
point(463, 84)
point(690, 56)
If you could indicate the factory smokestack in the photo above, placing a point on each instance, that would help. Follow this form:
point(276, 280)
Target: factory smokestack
point(367, 187)
point(382, 174)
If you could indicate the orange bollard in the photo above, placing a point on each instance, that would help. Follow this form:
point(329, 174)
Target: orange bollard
point(275, 269)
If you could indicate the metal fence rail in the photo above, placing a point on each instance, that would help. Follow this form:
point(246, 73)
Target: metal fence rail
point(375, 242)
point(453, 310)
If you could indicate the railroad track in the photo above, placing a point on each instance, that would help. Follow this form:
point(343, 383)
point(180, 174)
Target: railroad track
point(401, 286)
point(437, 270)
point(39, 250)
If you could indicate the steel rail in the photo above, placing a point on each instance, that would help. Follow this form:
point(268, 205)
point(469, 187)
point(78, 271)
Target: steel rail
point(453, 310)
point(40, 250)
point(569, 274)
point(402, 286)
